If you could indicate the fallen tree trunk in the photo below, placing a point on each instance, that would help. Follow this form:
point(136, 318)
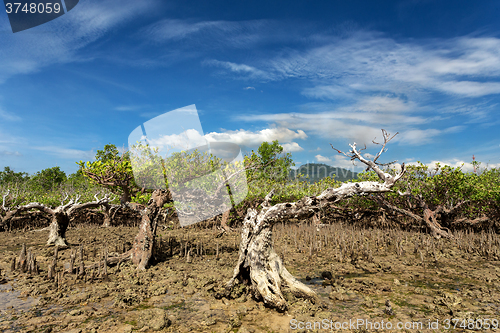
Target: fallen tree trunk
point(430, 216)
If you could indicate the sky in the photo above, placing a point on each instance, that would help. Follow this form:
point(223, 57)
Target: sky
point(309, 74)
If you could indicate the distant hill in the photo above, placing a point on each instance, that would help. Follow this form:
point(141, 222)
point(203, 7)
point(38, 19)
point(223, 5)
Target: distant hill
point(317, 171)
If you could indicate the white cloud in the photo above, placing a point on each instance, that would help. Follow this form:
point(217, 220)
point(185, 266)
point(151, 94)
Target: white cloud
point(383, 64)
point(192, 138)
point(291, 147)
point(251, 139)
point(322, 159)
point(249, 88)
point(238, 68)
point(368, 155)
point(208, 34)
point(189, 139)
point(369, 62)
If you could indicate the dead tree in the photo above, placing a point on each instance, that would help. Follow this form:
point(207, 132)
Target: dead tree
point(10, 213)
point(430, 216)
point(60, 216)
point(258, 264)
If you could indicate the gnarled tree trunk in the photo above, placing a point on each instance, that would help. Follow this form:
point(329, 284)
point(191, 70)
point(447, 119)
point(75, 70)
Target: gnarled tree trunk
point(144, 242)
point(258, 264)
point(57, 229)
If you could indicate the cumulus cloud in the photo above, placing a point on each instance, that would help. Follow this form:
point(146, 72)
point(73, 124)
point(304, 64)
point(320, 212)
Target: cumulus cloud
point(192, 138)
point(291, 147)
point(249, 138)
point(322, 159)
point(189, 139)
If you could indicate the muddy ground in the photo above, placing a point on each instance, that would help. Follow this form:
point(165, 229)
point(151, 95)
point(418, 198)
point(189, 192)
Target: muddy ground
point(354, 271)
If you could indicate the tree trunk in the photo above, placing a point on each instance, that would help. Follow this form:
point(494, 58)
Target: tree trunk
point(432, 223)
point(58, 227)
point(109, 214)
point(126, 197)
point(144, 242)
point(259, 264)
point(223, 221)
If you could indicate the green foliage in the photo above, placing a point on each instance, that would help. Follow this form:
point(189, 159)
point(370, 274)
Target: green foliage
point(439, 185)
point(442, 186)
point(47, 179)
point(9, 176)
point(271, 162)
point(111, 170)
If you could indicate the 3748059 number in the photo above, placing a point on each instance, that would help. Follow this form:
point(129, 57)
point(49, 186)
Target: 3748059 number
point(477, 324)
point(33, 8)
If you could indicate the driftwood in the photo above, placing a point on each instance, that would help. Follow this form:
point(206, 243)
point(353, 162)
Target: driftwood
point(258, 264)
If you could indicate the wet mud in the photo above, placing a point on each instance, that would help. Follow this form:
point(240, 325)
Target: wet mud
point(372, 275)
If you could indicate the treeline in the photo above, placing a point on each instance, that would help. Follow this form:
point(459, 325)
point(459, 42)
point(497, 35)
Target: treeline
point(442, 194)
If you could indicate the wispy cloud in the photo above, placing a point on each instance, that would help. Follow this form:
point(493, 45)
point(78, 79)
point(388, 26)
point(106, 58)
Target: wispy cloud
point(10, 153)
point(212, 35)
point(130, 107)
point(58, 41)
point(465, 66)
point(238, 34)
point(248, 71)
point(8, 116)
point(371, 62)
point(67, 153)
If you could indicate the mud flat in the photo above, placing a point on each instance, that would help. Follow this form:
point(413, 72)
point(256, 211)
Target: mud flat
point(354, 271)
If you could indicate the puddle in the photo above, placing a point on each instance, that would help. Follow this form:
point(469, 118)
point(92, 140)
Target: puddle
point(9, 299)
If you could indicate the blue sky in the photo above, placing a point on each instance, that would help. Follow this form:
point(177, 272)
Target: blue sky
point(306, 73)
